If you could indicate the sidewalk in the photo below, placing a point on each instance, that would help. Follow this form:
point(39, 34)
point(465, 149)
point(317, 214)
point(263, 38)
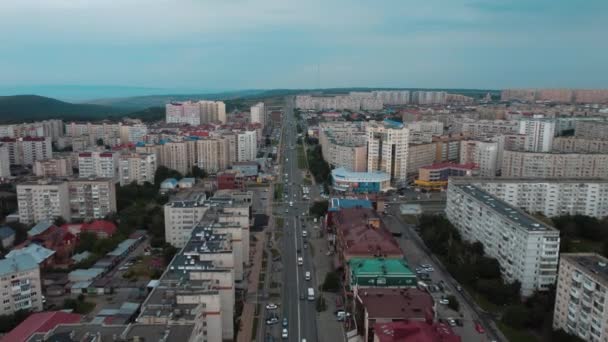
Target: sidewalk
point(247, 316)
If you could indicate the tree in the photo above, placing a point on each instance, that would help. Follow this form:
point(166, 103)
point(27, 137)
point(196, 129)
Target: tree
point(197, 172)
point(319, 208)
point(99, 142)
point(168, 253)
point(86, 242)
point(163, 172)
point(8, 322)
point(332, 282)
point(453, 303)
point(59, 221)
point(562, 336)
point(515, 316)
point(321, 305)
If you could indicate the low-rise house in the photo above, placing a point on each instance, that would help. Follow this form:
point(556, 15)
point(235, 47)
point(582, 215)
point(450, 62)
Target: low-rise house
point(44, 257)
point(7, 236)
point(379, 272)
point(40, 323)
point(412, 331)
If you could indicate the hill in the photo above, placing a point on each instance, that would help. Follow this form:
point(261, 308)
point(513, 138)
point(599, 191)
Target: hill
point(20, 108)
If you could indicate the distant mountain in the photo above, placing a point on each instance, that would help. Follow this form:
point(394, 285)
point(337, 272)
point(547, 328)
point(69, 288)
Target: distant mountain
point(20, 108)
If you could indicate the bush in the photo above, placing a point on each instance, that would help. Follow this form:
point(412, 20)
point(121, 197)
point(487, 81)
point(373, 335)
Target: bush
point(321, 305)
point(453, 304)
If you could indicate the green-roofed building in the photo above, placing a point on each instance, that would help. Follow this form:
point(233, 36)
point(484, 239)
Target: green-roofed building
point(380, 272)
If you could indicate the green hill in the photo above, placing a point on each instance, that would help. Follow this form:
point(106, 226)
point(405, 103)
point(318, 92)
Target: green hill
point(20, 108)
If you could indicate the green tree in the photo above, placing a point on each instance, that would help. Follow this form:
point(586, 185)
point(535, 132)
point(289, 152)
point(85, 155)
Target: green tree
point(453, 303)
point(99, 142)
point(332, 282)
point(163, 172)
point(319, 208)
point(515, 316)
point(197, 172)
point(8, 322)
point(321, 304)
point(562, 336)
point(86, 242)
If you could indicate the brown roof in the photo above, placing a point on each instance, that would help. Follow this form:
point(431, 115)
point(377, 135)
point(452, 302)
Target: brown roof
point(404, 303)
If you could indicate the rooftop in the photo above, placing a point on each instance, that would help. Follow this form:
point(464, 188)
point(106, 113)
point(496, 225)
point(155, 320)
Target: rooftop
point(446, 165)
point(40, 228)
point(474, 180)
point(344, 174)
point(404, 303)
point(37, 252)
point(414, 331)
point(6, 231)
point(362, 266)
point(594, 265)
point(40, 322)
point(339, 203)
point(516, 216)
point(19, 263)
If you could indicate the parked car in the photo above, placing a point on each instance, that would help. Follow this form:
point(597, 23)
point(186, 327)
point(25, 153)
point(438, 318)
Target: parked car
point(284, 334)
point(271, 306)
point(479, 327)
point(444, 301)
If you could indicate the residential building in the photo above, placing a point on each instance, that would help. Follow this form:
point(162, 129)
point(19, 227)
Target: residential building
point(137, 167)
point(422, 132)
point(483, 128)
point(344, 144)
point(133, 133)
point(448, 147)
point(429, 97)
point(354, 101)
point(98, 164)
point(179, 155)
point(591, 129)
point(414, 331)
point(360, 182)
point(366, 273)
point(539, 134)
point(247, 146)
point(26, 150)
point(92, 198)
point(43, 200)
point(212, 111)
point(21, 285)
point(40, 324)
point(579, 145)
point(550, 197)
point(55, 167)
point(526, 249)
point(420, 155)
point(554, 165)
point(181, 216)
point(393, 97)
point(5, 161)
point(230, 180)
point(387, 149)
point(556, 95)
point(581, 296)
point(258, 114)
point(213, 154)
point(485, 155)
point(195, 113)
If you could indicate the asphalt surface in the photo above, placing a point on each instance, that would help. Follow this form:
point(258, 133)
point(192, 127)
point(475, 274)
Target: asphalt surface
point(300, 313)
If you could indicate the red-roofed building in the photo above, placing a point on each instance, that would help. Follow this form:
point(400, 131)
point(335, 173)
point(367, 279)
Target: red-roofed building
point(385, 305)
point(41, 322)
point(59, 240)
point(413, 331)
point(102, 228)
point(230, 180)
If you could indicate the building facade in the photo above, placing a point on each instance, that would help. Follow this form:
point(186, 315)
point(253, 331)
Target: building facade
point(539, 134)
point(387, 149)
point(43, 200)
point(92, 198)
point(360, 182)
point(137, 167)
point(21, 285)
point(98, 164)
point(579, 145)
point(56, 167)
point(485, 155)
point(554, 165)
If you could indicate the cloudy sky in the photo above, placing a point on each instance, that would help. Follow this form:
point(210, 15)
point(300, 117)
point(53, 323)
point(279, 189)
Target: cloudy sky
point(237, 44)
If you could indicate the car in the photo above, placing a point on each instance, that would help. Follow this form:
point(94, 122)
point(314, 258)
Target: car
point(452, 322)
point(300, 261)
point(271, 306)
point(479, 327)
point(272, 320)
point(284, 334)
point(285, 322)
point(305, 245)
point(307, 275)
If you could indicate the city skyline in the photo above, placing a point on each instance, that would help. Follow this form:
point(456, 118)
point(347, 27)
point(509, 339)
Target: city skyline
point(229, 45)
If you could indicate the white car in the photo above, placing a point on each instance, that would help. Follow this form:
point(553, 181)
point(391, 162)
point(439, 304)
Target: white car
point(304, 233)
point(307, 275)
point(271, 306)
point(300, 261)
point(444, 301)
point(284, 334)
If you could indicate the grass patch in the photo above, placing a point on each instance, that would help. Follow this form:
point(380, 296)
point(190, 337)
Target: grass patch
point(278, 191)
point(516, 335)
point(275, 253)
point(306, 181)
point(301, 158)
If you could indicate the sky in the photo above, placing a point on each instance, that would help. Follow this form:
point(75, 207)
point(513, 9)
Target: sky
point(263, 44)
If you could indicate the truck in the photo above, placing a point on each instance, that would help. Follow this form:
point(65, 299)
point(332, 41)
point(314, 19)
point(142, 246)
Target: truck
point(311, 293)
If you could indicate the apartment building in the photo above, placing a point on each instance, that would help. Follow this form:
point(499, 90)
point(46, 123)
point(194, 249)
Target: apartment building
point(132, 133)
point(91, 198)
point(581, 296)
point(181, 216)
point(429, 97)
point(137, 167)
point(422, 132)
point(526, 248)
point(579, 145)
point(554, 165)
point(258, 114)
point(43, 200)
point(55, 167)
point(483, 128)
point(195, 113)
point(20, 284)
point(105, 132)
point(392, 97)
point(26, 150)
point(47, 128)
point(387, 149)
point(247, 146)
point(213, 154)
point(178, 155)
point(98, 164)
point(354, 101)
point(212, 111)
point(420, 155)
point(591, 129)
point(551, 197)
point(485, 155)
point(556, 95)
point(344, 145)
point(539, 134)
point(5, 161)
point(448, 147)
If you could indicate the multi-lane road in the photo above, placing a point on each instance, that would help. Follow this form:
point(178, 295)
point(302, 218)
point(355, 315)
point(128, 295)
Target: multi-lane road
point(295, 305)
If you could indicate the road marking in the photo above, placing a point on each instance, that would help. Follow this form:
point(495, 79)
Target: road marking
point(295, 240)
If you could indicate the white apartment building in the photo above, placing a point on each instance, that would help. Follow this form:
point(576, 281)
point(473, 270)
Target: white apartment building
point(43, 200)
point(591, 129)
point(181, 216)
point(581, 299)
point(554, 165)
point(47, 128)
point(393, 97)
point(195, 113)
point(420, 155)
point(579, 145)
point(98, 164)
point(551, 197)
point(178, 155)
point(539, 134)
point(108, 133)
point(247, 146)
point(422, 132)
point(526, 248)
point(387, 149)
point(429, 97)
point(55, 167)
point(25, 151)
point(133, 133)
point(344, 144)
point(137, 167)
point(5, 161)
point(484, 154)
point(484, 128)
point(212, 155)
point(91, 199)
point(20, 284)
point(258, 114)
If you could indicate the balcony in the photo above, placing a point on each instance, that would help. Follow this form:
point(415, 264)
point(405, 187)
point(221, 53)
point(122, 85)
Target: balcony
point(589, 286)
point(575, 293)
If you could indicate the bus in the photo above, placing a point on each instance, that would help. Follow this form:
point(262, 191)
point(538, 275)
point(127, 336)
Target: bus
point(311, 293)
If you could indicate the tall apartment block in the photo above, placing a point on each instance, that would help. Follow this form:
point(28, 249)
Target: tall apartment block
point(132, 133)
point(393, 97)
point(526, 248)
point(429, 97)
point(258, 114)
point(25, 151)
point(213, 154)
point(5, 161)
point(387, 149)
point(539, 134)
point(579, 145)
point(344, 144)
point(43, 200)
point(581, 299)
point(247, 146)
point(195, 113)
point(20, 284)
point(98, 164)
point(556, 95)
point(55, 167)
point(551, 197)
point(591, 130)
point(137, 167)
point(483, 128)
point(554, 165)
point(484, 154)
point(181, 216)
point(92, 198)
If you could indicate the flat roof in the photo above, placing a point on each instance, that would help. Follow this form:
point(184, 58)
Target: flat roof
point(346, 175)
point(473, 180)
point(595, 265)
point(504, 209)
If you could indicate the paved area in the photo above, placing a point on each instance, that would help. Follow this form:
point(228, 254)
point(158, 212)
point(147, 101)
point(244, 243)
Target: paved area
point(247, 317)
